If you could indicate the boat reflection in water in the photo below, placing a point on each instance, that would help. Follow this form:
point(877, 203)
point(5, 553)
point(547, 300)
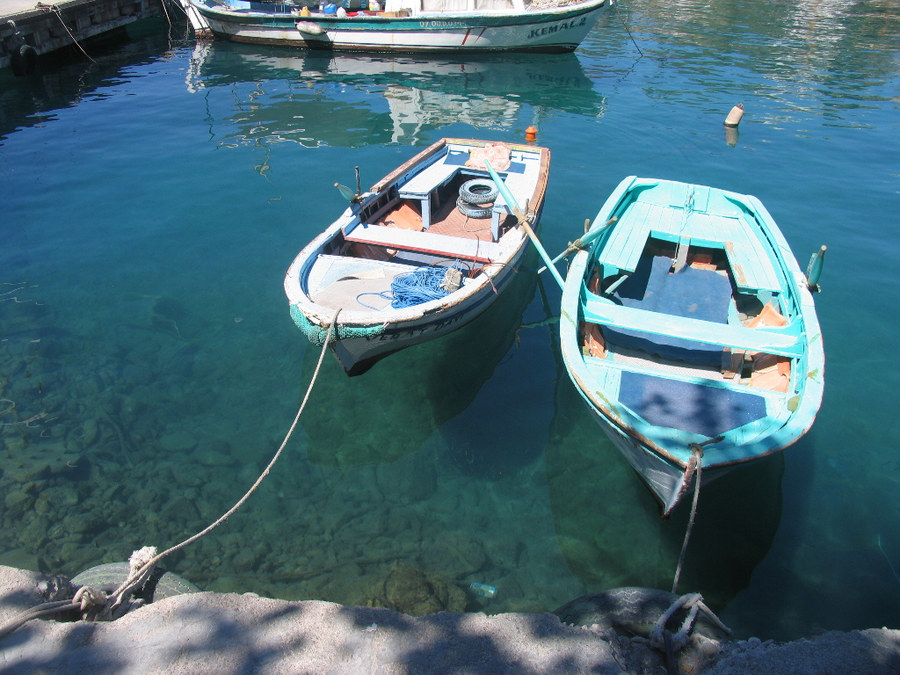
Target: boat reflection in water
point(356, 100)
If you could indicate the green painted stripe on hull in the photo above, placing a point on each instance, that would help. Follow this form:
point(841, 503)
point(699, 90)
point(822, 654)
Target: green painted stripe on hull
point(438, 26)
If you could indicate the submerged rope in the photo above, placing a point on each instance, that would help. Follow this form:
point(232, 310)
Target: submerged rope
point(96, 605)
point(890, 564)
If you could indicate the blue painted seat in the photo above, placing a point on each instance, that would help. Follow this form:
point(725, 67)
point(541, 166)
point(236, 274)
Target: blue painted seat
point(689, 406)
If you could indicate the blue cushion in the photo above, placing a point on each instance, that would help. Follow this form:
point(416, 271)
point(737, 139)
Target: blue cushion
point(687, 406)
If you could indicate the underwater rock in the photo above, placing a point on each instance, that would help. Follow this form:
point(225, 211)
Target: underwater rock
point(456, 554)
point(62, 495)
point(83, 436)
point(81, 523)
point(410, 590)
point(180, 510)
point(34, 529)
point(409, 481)
point(166, 314)
point(179, 440)
point(27, 320)
point(216, 453)
point(245, 560)
point(17, 501)
point(21, 558)
point(25, 462)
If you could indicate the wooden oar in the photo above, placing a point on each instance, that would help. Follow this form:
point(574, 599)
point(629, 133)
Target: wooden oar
point(581, 242)
point(523, 221)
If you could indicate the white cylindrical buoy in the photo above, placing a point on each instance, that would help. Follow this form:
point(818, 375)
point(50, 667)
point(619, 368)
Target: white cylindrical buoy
point(734, 117)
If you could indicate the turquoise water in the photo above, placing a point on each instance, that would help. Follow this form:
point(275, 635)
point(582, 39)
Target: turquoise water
point(152, 201)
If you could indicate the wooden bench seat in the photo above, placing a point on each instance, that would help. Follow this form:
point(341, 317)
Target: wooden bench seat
point(425, 242)
point(421, 186)
point(601, 312)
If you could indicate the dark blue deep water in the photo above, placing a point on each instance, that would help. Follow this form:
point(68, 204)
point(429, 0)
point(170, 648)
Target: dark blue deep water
point(151, 201)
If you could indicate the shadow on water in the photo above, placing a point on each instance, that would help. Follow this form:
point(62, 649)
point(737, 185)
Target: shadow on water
point(390, 411)
point(609, 526)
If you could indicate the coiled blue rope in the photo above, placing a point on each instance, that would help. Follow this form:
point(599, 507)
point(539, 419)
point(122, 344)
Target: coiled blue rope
point(414, 288)
point(420, 285)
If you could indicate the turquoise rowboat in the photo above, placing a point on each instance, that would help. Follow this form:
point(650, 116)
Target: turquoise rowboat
point(690, 331)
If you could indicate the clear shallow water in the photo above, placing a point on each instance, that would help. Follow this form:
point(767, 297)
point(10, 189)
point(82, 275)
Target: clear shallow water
point(149, 368)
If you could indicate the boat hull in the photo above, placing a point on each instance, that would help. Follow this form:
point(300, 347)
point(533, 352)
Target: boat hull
point(553, 31)
point(375, 342)
point(665, 479)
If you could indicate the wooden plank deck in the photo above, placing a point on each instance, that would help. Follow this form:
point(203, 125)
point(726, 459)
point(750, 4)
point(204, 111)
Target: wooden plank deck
point(450, 221)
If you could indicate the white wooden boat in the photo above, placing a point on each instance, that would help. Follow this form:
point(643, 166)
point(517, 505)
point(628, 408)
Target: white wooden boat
point(421, 253)
point(458, 26)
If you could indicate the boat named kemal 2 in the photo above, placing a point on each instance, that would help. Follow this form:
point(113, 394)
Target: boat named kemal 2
point(408, 26)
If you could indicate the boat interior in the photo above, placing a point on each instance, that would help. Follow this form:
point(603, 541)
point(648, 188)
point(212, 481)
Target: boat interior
point(671, 353)
point(698, 284)
point(391, 8)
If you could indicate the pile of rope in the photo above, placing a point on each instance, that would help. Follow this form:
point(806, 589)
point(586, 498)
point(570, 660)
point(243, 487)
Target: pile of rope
point(424, 284)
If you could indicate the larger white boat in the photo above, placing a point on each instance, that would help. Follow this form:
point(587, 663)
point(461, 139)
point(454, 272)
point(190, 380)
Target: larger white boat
point(459, 26)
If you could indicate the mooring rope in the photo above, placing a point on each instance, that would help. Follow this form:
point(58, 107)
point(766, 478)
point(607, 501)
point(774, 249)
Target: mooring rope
point(662, 639)
point(56, 10)
point(695, 468)
point(96, 605)
point(616, 10)
point(166, 12)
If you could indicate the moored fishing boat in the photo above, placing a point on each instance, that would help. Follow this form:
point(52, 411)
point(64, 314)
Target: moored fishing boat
point(457, 26)
point(690, 331)
point(421, 253)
